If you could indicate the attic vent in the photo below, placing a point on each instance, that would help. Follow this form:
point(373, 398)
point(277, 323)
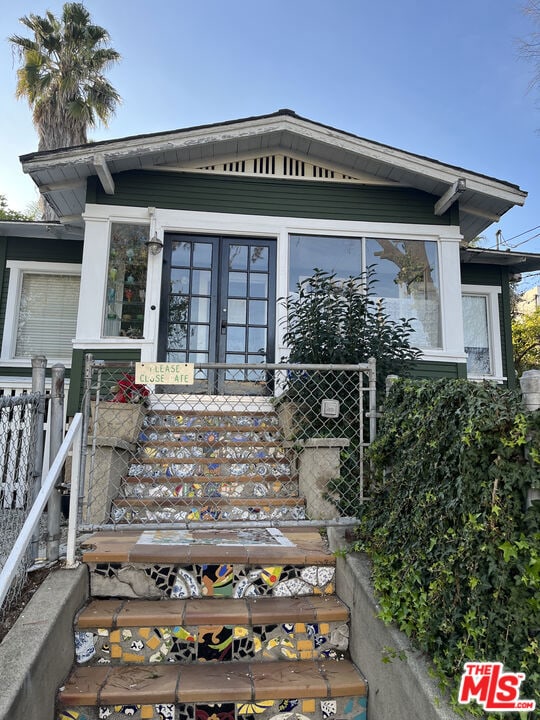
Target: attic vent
point(265, 165)
point(321, 172)
point(294, 168)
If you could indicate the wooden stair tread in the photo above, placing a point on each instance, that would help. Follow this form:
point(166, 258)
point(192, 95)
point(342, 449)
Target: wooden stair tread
point(145, 460)
point(223, 681)
point(117, 613)
point(307, 548)
point(211, 428)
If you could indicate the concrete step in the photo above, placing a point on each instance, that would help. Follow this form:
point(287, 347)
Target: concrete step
point(314, 689)
point(259, 629)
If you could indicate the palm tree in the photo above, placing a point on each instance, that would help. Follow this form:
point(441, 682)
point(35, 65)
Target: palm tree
point(61, 75)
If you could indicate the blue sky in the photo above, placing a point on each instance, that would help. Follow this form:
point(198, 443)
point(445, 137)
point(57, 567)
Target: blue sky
point(444, 80)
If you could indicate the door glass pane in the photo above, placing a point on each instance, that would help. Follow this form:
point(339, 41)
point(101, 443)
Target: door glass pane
point(177, 335)
point(180, 280)
point(236, 339)
point(176, 357)
point(201, 282)
point(257, 340)
point(258, 285)
point(238, 256)
point(198, 337)
point(238, 283)
point(258, 258)
point(181, 252)
point(236, 311)
point(202, 255)
point(257, 312)
point(200, 309)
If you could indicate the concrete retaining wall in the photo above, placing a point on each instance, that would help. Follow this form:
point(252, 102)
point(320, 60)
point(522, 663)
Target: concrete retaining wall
point(38, 652)
point(401, 688)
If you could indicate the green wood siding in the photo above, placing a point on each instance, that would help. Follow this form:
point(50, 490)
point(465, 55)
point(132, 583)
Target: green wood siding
point(423, 369)
point(77, 371)
point(269, 196)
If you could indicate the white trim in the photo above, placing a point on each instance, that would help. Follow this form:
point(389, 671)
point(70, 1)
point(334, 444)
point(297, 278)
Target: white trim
point(99, 218)
point(17, 269)
point(491, 293)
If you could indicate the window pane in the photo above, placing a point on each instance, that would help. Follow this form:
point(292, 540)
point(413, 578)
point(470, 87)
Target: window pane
point(257, 340)
point(200, 283)
point(198, 337)
point(407, 280)
point(47, 318)
point(342, 256)
point(258, 285)
point(257, 312)
point(236, 339)
point(181, 253)
point(126, 280)
point(476, 334)
point(180, 280)
point(238, 256)
point(238, 284)
point(200, 309)
point(202, 255)
point(258, 258)
point(236, 312)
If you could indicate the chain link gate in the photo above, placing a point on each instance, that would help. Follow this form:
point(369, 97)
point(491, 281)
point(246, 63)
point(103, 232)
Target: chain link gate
point(19, 427)
point(289, 452)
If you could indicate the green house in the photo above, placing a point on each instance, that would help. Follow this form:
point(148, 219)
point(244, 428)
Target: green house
point(177, 246)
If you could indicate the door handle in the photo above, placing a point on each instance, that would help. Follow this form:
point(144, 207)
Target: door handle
point(224, 321)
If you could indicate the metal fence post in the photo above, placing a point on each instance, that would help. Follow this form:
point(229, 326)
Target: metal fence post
point(85, 409)
point(530, 388)
point(39, 365)
point(56, 435)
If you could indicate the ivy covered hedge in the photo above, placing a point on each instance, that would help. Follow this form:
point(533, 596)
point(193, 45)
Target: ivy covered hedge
point(456, 558)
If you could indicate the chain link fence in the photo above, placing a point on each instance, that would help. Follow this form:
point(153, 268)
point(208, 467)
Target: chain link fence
point(19, 428)
point(287, 446)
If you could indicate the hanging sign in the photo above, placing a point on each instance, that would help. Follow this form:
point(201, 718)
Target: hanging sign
point(156, 373)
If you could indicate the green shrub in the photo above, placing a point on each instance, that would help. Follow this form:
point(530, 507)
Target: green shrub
point(456, 557)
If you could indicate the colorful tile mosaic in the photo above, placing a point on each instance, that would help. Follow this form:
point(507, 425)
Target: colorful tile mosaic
point(183, 644)
point(348, 708)
point(249, 536)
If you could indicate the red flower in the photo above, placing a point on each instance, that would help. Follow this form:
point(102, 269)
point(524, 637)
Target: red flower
point(129, 391)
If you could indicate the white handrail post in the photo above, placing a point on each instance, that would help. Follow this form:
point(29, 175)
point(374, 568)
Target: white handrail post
point(76, 455)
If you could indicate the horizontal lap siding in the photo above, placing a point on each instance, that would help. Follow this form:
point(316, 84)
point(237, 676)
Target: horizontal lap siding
point(262, 196)
point(435, 370)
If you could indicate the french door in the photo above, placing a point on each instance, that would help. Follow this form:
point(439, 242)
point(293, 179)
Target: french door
point(218, 306)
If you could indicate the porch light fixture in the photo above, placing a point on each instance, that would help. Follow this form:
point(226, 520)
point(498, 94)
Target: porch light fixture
point(154, 245)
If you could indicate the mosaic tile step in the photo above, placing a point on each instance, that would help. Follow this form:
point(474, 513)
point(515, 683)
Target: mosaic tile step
point(318, 690)
point(213, 486)
point(195, 452)
point(211, 420)
point(180, 510)
point(211, 434)
point(208, 468)
point(266, 628)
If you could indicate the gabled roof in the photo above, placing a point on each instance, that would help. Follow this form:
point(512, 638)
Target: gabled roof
point(331, 155)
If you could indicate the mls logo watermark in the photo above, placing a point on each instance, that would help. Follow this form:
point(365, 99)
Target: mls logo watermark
point(494, 689)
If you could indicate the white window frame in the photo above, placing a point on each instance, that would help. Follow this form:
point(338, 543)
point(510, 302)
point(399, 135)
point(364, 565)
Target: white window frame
point(17, 270)
point(491, 294)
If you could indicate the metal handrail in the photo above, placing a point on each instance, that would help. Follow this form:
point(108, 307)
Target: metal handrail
point(73, 439)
